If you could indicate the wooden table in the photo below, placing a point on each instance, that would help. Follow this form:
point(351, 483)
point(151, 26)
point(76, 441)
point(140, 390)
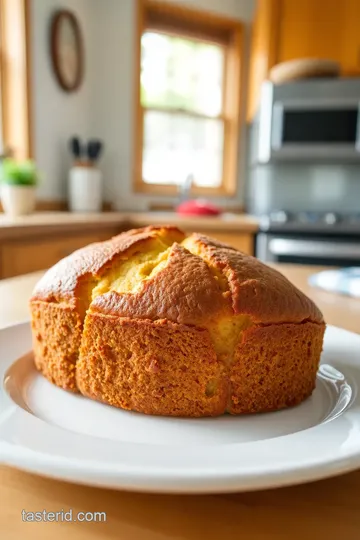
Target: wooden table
point(329, 509)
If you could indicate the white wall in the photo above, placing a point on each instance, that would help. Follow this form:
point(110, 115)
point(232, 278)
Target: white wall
point(104, 107)
point(56, 114)
point(113, 94)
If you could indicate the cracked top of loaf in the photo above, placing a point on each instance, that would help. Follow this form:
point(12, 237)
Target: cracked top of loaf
point(160, 273)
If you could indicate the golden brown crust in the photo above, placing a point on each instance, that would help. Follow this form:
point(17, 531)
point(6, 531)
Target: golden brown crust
point(169, 369)
point(258, 290)
point(151, 367)
point(56, 342)
point(63, 282)
point(274, 367)
point(184, 292)
point(200, 329)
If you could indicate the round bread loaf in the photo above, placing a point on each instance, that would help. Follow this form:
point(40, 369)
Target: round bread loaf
point(160, 323)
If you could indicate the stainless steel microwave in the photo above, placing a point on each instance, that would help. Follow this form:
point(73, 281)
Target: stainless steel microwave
point(312, 120)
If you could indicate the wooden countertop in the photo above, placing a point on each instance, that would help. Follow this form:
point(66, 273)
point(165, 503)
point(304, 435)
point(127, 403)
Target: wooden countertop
point(225, 222)
point(43, 222)
point(328, 509)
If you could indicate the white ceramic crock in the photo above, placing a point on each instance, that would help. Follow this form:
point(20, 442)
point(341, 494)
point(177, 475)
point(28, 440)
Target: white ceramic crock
point(85, 189)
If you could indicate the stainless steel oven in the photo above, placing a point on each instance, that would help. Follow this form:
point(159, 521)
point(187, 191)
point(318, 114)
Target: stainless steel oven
point(306, 249)
point(311, 120)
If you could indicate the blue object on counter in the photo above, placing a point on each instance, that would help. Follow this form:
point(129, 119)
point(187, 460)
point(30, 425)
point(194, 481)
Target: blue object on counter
point(343, 281)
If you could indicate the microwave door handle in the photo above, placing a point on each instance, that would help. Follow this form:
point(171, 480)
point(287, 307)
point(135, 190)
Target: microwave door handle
point(277, 126)
point(315, 249)
point(357, 142)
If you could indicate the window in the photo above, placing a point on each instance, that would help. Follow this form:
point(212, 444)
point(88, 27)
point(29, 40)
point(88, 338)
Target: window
point(15, 77)
point(188, 100)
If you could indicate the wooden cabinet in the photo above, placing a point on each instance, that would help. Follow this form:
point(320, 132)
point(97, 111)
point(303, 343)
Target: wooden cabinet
point(350, 37)
point(241, 241)
point(263, 49)
point(289, 29)
point(39, 251)
point(24, 256)
point(309, 29)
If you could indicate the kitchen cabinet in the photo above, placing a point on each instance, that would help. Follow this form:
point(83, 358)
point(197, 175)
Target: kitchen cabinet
point(263, 50)
point(288, 29)
point(350, 61)
point(24, 256)
point(309, 29)
point(39, 241)
point(241, 241)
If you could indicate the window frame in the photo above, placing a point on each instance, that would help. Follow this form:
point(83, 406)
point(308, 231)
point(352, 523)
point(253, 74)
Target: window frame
point(15, 79)
point(209, 26)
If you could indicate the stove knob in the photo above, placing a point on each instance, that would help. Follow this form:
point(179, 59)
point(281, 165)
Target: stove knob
point(330, 218)
point(279, 217)
point(308, 217)
point(353, 219)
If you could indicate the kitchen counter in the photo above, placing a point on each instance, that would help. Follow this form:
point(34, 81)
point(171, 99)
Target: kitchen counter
point(225, 222)
point(325, 509)
point(43, 222)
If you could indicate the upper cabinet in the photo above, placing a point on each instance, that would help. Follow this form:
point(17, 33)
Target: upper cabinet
point(263, 49)
point(350, 45)
point(309, 29)
point(288, 29)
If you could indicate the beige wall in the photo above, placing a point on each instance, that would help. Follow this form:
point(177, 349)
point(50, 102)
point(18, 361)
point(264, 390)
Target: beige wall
point(56, 114)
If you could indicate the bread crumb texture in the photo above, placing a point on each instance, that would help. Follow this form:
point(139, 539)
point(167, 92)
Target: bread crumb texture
point(160, 323)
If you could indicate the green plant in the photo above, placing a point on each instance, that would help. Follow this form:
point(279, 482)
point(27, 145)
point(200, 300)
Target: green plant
point(19, 173)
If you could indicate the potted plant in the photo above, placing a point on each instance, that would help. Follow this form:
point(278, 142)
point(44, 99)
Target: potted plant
point(18, 186)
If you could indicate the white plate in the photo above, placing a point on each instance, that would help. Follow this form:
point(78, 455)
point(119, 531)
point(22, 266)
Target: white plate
point(51, 432)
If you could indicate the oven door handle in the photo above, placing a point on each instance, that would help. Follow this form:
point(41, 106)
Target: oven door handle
point(314, 248)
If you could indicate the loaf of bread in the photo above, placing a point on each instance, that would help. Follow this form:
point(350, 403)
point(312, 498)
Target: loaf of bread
point(167, 324)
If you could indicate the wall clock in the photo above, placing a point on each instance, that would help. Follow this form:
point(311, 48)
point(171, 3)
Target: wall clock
point(67, 50)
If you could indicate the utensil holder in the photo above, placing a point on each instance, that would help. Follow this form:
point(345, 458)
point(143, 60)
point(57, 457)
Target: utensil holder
point(85, 186)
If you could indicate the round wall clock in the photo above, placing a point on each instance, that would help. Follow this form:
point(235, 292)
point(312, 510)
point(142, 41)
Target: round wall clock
point(67, 50)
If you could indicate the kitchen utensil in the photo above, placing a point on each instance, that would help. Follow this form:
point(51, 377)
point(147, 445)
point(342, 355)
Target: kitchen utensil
point(94, 148)
point(75, 147)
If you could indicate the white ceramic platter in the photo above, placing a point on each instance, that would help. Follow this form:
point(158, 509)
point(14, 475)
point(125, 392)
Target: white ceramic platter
point(48, 431)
